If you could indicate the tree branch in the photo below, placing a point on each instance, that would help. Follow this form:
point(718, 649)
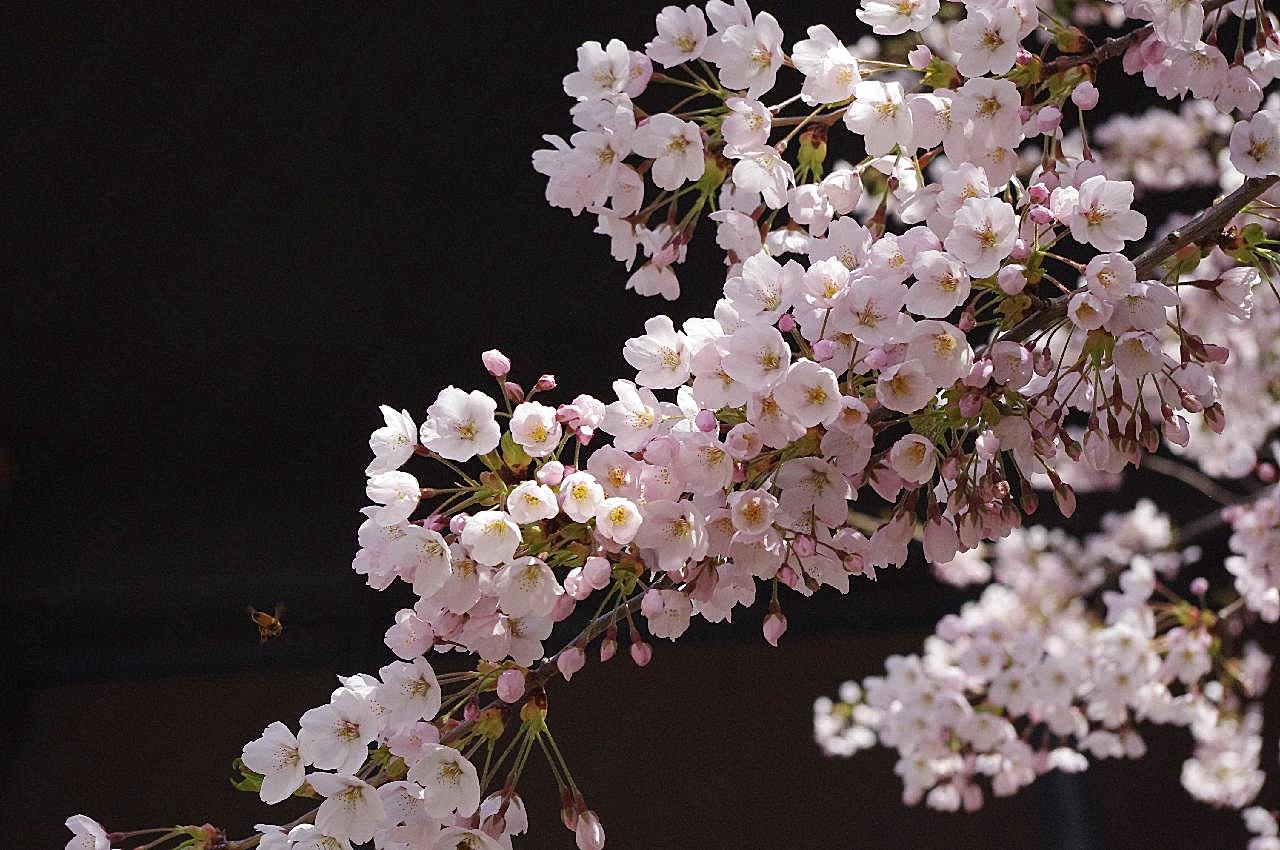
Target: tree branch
point(1208, 224)
point(1113, 47)
point(537, 679)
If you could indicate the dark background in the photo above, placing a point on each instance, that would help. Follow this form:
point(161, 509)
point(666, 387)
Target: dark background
point(232, 233)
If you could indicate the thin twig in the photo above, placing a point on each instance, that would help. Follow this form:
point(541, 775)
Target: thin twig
point(1192, 477)
point(537, 679)
point(1112, 47)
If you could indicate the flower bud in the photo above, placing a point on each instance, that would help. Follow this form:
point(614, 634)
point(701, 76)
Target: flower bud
point(970, 405)
point(787, 323)
point(511, 685)
point(1020, 251)
point(1048, 119)
point(458, 522)
point(1041, 214)
point(920, 57)
point(514, 391)
point(706, 421)
point(589, 834)
point(1199, 586)
point(576, 585)
point(1012, 279)
point(775, 625)
point(803, 545)
point(597, 572)
point(563, 608)
point(641, 653)
point(546, 382)
point(570, 660)
point(1266, 473)
point(1215, 418)
point(609, 646)
point(823, 350)
point(496, 362)
point(1038, 193)
point(1085, 95)
point(551, 473)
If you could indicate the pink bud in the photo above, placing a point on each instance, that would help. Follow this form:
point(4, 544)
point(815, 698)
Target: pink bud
point(608, 647)
point(1012, 279)
point(563, 608)
point(514, 391)
point(1266, 473)
point(1048, 119)
point(570, 660)
point(1215, 418)
point(787, 323)
point(1215, 353)
point(576, 585)
point(823, 350)
point(1024, 115)
point(641, 653)
point(551, 473)
point(1038, 193)
point(496, 362)
point(458, 522)
point(979, 374)
point(706, 421)
point(803, 545)
point(1065, 497)
point(775, 625)
point(470, 711)
point(920, 57)
point(878, 358)
point(788, 576)
point(511, 685)
point(662, 451)
point(1041, 214)
point(597, 572)
point(584, 434)
point(970, 405)
point(589, 834)
point(1085, 95)
point(1199, 586)
point(1021, 250)
point(546, 382)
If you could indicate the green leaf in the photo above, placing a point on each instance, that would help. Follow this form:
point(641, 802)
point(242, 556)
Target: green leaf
point(1012, 310)
point(941, 75)
point(513, 455)
point(248, 781)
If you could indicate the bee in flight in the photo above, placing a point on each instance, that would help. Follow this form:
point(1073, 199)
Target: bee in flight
point(269, 625)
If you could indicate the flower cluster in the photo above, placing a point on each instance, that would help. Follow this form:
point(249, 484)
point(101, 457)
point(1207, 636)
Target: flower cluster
point(1059, 660)
point(915, 334)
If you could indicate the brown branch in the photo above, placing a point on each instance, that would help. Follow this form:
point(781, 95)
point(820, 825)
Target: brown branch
point(1113, 47)
point(1205, 226)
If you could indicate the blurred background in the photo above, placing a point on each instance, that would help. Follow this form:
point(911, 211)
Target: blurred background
point(234, 230)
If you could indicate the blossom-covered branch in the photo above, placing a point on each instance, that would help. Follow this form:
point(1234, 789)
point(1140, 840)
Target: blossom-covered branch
point(928, 320)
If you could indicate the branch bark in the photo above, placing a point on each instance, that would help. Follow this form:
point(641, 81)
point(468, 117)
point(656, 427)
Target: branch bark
point(1113, 47)
point(1207, 224)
